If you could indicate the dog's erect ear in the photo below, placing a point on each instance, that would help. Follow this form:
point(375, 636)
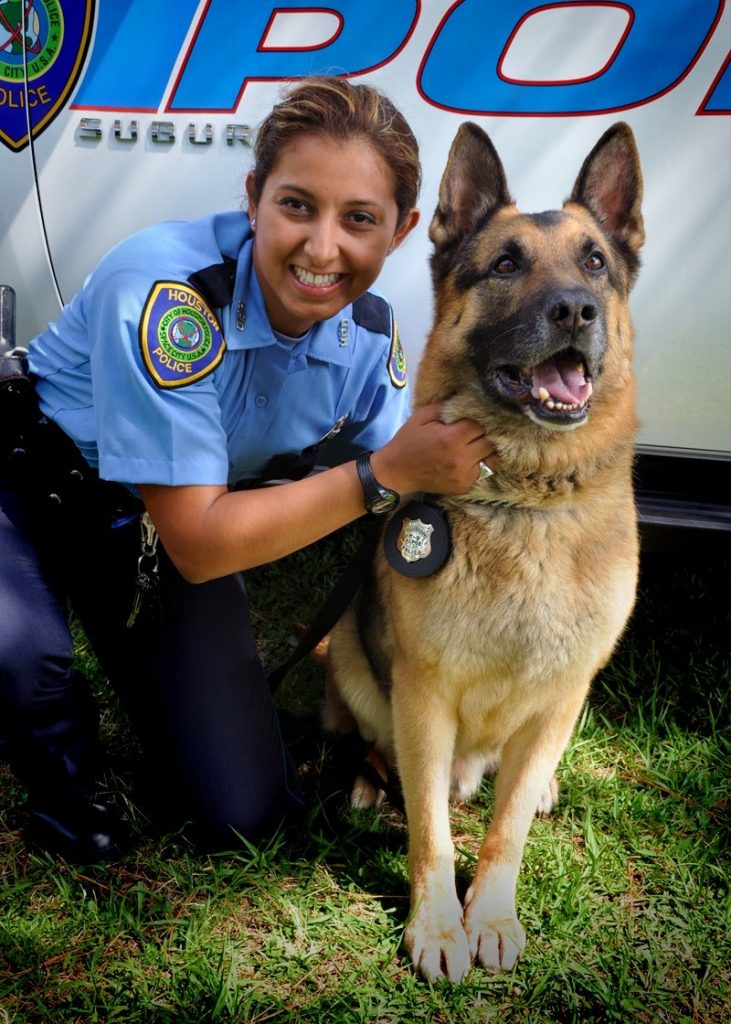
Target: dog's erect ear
point(610, 185)
point(472, 184)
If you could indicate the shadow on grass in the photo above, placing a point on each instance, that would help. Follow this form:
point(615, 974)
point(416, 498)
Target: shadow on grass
point(673, 665)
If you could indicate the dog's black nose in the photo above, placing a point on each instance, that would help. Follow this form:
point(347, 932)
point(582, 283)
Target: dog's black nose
point(572, 310)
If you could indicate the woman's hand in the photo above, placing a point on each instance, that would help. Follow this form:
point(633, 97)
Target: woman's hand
point(429, 455)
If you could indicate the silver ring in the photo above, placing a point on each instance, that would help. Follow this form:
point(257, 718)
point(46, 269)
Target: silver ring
point(485, 471)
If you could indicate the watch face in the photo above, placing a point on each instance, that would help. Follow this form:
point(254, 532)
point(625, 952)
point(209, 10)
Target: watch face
point(377, 499)
point(384, 503)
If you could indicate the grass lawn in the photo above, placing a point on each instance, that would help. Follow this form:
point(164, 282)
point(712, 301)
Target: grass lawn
point(624, 890)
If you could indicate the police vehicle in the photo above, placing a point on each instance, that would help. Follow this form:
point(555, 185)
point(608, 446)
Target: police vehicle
point(115, 114)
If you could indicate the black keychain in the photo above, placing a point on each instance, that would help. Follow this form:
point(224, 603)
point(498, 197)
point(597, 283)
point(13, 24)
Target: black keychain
point(417, 541)
point(147, 581)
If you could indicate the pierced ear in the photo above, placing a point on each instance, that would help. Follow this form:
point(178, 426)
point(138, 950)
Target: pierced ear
point(473, 183)
point(610, 186)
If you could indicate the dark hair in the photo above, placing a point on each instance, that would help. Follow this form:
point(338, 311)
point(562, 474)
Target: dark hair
point(334, 106)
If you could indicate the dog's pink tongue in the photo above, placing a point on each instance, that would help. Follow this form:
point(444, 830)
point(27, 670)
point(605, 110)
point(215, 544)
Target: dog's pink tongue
point(563, 380)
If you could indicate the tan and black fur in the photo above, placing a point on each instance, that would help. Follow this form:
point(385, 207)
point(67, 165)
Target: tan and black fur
point(487, 663)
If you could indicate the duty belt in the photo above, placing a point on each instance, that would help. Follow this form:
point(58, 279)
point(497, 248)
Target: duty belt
point(45, 466)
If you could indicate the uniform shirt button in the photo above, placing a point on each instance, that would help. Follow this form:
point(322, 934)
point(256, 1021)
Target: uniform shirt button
point(261, 400)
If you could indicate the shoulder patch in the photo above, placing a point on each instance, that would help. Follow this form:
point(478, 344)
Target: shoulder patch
point(180, 338)
point(396, 360)
point(373, 312)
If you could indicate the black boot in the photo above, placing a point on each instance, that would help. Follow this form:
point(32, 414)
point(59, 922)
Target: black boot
point(54, 751)
point(79, 827)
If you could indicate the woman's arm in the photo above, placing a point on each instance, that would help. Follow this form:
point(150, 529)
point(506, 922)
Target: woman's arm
point(209, 531)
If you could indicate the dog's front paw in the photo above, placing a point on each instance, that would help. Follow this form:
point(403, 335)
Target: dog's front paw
point(496, 942)
point(436, 942)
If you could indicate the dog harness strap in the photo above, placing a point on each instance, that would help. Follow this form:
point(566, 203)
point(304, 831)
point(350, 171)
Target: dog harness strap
point(333, 606)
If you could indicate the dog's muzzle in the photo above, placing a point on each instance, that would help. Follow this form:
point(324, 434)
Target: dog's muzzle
point(563, 348)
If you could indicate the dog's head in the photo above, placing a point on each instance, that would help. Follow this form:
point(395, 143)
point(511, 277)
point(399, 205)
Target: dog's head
point(532, 308)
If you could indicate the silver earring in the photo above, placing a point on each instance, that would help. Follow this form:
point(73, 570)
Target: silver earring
point(253, 223)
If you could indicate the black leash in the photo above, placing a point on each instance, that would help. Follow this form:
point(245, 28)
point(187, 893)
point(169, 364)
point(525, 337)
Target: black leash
point(332, 609)
point(329, 612)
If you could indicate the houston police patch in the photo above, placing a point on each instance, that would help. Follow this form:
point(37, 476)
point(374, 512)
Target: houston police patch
point(180, 338)
point(396, 360)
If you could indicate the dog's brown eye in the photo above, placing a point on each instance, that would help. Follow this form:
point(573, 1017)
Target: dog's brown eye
point(505, 265)
point(594, 262)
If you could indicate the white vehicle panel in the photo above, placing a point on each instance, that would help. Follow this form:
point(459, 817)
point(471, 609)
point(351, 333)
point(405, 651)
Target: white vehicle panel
point(97, 183)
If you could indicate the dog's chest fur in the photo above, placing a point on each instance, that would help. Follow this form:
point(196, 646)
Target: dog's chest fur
point(542, 597)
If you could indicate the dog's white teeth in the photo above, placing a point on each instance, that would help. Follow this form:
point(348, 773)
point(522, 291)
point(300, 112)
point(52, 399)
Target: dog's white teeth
point(553, 403)
point(581, 368)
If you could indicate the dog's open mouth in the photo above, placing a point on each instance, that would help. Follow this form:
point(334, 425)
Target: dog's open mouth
point(557, 390)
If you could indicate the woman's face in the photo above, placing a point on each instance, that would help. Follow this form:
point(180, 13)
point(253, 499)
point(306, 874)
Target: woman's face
point(325, 222)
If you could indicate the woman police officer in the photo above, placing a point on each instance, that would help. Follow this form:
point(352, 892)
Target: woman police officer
point(199, 359)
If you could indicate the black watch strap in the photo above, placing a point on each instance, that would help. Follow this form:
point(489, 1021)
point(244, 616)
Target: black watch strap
point(377, 499)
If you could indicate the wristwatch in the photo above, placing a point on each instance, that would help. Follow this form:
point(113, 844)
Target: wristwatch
point(377, 499)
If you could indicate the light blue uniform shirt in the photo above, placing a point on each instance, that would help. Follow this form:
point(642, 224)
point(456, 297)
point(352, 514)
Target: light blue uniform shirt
point(96, 369)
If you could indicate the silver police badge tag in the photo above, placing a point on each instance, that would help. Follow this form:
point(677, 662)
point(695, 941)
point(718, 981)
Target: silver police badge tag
point(414, 541)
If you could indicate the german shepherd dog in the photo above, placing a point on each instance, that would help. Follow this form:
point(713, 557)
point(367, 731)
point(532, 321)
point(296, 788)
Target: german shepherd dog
point(486, 663)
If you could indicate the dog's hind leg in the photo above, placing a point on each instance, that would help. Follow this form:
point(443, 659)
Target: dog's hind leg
point(356, 701)
point(548, 798)
point(366, 791)
point(528, 760)
point(468, 772)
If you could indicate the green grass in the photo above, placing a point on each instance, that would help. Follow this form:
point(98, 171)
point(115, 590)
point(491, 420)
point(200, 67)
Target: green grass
point(624, 889)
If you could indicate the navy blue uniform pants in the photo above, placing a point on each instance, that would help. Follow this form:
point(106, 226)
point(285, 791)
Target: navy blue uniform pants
point(190, 679)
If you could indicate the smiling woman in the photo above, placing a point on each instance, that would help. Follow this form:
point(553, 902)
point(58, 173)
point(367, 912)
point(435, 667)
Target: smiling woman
point(322, 238)
point(200, 360)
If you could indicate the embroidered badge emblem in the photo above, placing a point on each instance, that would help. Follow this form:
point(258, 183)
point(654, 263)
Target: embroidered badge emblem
point(397, 360)
point(414, 541)
point(180, 338)
point(43, 45)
